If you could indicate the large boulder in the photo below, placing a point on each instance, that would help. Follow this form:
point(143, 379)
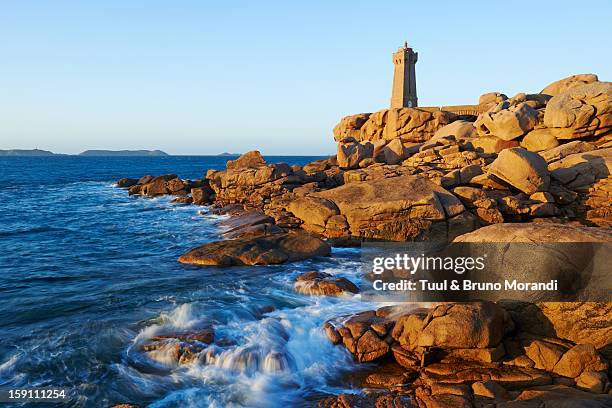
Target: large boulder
point(507, 124)
point(396, 208)
point(252, 159)
point(525, 170)
point(454, 326)
point(314, 211)
point(413, 124)
point(259, 250)
point(565, 84)
point(536, 233)
point(350, 126)
point(539, 139)
point(582, 111)
point(491, 98)
point(461, 129)
point(350, 154)
point(394, 152)
point(491, 144)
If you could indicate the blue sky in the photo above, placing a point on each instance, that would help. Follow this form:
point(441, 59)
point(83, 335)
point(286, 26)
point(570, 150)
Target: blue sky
point(198, 77)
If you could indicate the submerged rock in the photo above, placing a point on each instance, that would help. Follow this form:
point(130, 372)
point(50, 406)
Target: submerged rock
point(321, 283)
point(178, 348)
point(126, 182)
point(259, 250)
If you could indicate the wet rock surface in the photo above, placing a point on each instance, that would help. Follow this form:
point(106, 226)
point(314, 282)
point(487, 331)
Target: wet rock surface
point(259, 250)
point(321, 283)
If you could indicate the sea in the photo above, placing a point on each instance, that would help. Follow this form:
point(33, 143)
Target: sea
point(88, 274)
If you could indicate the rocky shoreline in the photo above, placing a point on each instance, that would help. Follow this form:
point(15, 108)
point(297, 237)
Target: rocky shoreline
point(531, 168)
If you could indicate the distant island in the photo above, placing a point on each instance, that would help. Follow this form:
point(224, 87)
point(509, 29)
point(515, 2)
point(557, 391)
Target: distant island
point(123, 153)
point(24, 152)
point(96, 153)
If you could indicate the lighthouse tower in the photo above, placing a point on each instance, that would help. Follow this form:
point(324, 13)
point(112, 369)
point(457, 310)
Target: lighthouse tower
point(404, 93)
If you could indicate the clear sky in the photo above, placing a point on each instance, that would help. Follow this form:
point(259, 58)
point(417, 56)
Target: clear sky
point(200, 77)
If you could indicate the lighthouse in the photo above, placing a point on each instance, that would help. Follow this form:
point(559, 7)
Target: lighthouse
point(404, 92)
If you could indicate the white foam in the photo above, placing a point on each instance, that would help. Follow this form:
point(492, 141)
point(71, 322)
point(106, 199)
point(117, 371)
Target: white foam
point(8, 366)
point(181, 318)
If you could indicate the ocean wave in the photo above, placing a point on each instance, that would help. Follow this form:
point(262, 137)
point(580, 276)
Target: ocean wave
point(49, 279)
point(33, 230)
point(269, 361)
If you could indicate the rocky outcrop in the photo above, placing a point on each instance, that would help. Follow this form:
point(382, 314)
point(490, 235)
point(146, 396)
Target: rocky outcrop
point(399, 209)
point(406, 124)
point(251, 181)
point(169, 184)
point(366, 335)
point(156, 186)
point(418, 174)
point(258, 250)
point(466, 354)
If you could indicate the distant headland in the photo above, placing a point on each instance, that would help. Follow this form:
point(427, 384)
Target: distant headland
point(23, 152)
point(123, 153)
point(90, 153)
point(98, 153)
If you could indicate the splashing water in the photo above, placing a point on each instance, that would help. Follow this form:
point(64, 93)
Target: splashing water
point(89, 275)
